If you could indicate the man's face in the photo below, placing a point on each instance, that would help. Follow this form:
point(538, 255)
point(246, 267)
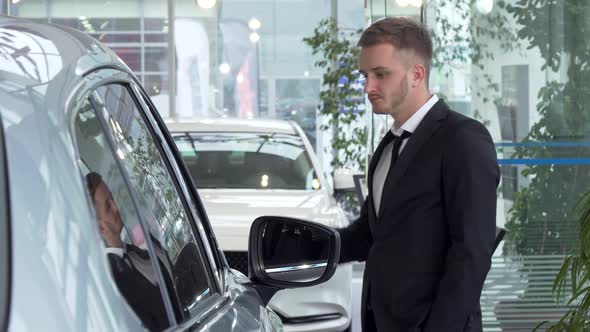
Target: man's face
point(386, 75)
point(107, 212)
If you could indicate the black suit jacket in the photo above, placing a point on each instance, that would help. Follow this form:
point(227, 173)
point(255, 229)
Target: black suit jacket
point(142, 295)
point(429, 248)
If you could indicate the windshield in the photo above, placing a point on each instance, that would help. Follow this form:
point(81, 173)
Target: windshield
point(247, 160)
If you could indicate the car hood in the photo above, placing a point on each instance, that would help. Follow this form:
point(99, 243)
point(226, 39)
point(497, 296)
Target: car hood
point(232, 211)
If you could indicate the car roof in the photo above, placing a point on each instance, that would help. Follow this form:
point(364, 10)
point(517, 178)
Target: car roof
point(48, 59)
point(232, 125)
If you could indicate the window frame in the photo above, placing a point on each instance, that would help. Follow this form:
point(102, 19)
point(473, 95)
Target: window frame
point(93, 79)
point(196, 213)
point(192, 196)
point(5, 237)
point(88, 95)
point(223, 275)
point(97, 100)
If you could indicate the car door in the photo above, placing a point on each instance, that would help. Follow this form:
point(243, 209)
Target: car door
point(170, 224)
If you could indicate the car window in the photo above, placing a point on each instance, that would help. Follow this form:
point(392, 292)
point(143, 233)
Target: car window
point(247, 160)
point(207, 235)
point(133, 267)
point(161, 207)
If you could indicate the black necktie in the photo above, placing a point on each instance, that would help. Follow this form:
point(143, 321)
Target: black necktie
point(388, 138)
point(395, 151)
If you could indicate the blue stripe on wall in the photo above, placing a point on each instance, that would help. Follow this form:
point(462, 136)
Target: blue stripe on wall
point(545, 161)
point(535, 144)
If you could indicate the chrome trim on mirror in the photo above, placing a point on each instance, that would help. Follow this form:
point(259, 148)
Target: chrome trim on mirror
point(296, 268)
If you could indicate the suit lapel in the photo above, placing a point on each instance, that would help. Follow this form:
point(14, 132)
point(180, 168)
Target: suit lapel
point(420, 136)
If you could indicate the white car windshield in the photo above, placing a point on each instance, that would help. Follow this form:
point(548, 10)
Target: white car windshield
point(247, 160)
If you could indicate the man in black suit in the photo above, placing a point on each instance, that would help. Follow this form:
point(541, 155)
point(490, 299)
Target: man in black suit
point(131, 266)
point(427, 227)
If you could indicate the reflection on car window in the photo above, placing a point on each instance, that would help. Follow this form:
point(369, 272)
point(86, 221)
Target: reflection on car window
point(132, 266)
point(247, 160)
point(159, 202)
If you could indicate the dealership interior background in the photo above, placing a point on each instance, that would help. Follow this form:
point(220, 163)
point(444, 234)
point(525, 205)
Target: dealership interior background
point(247, 59)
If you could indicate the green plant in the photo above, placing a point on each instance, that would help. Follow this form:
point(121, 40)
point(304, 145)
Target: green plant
point(342, 99)
point(543, 219)
point(543, 210)
point(573, 278)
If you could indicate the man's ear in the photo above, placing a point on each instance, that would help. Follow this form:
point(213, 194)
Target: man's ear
point(418, 75)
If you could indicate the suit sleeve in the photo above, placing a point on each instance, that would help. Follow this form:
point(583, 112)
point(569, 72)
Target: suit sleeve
point(356, 238)
point(470, 178)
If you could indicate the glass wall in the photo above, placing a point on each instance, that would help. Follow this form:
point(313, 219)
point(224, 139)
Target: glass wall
point(522, 69)
point(219, 58)
point(137, 30)
point(518, 67)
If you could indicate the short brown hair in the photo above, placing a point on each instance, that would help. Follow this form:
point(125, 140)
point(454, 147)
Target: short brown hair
point(93, 180)
point(403, 33)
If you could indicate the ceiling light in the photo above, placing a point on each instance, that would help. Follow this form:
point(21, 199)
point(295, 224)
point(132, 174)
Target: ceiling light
point(315, 184)
point(484, 6)
point(254, 37)
point(254, 23)
point(224, 68)
point(121, 154)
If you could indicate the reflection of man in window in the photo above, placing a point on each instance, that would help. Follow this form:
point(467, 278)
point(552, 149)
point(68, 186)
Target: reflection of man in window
point(131, 265)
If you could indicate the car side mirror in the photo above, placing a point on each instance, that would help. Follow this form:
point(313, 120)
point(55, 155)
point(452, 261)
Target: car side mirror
point(287, 252)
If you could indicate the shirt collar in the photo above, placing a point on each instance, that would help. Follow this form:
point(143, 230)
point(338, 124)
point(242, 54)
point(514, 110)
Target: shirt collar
point(416, 118)
point(113, 250)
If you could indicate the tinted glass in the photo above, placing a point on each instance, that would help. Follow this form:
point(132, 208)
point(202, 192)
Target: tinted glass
point(132, 266)
point(159, 203)
point(247, 160)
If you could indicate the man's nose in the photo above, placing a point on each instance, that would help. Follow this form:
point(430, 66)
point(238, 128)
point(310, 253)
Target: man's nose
point(369, 85)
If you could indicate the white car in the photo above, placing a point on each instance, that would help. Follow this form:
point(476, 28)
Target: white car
point(248, 168)
point(101, 228)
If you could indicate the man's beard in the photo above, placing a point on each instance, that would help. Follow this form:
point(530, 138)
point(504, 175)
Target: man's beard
point(393, 106)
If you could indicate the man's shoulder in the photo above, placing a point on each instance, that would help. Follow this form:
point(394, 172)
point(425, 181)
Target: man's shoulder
point(458, 122)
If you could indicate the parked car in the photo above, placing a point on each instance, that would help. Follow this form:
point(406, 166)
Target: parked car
point(247, 168)
point(99, 230)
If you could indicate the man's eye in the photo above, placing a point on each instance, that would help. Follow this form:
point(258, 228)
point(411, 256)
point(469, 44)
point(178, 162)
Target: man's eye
point(380, 75)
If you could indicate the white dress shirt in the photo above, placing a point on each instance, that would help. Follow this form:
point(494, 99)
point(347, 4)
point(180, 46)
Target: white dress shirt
point(114, 250)
point(385, 159)
point(143, 266)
